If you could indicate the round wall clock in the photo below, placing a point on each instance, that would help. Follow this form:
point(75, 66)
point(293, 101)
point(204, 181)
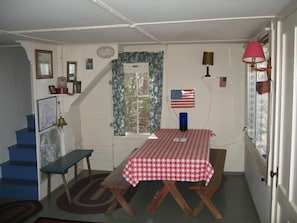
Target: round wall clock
point(105, 51)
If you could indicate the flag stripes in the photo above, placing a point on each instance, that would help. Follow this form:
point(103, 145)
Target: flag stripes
point(184, 98)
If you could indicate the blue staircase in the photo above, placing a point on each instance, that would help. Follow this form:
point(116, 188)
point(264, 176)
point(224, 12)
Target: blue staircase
point(19, 174)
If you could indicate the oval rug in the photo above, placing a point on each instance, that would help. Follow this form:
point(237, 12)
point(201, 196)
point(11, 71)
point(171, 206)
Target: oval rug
point(55, 220)
point(88, 197)
point(19, 211)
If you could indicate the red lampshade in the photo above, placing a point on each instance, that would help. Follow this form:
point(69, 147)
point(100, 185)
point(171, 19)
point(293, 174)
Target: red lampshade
point(253, 53)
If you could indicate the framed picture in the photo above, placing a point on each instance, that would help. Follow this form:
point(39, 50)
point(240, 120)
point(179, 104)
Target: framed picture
point(77, 87)
point(44, 64)
point(89, 64)
point(52, 89)
point(71, 71)
point(47, 113)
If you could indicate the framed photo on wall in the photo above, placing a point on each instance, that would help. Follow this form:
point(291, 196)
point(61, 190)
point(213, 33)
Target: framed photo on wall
point(76, 87)
point(52, 89)
point(71, 71)
point(44, 64)
point(47, 112)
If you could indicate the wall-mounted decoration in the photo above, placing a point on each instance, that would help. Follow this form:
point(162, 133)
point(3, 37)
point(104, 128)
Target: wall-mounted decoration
point(184, 98)
point(71, 71)
point(44, 64)
point(207, 60)
point(47, 113)
point(105, 51)
point(52, 89)
point(89, 64)
point(76, 87)
point(50, 147)
point(223, 81)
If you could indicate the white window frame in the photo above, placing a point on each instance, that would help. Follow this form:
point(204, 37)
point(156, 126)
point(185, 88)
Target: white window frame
point(136, 68)
point(258, 108)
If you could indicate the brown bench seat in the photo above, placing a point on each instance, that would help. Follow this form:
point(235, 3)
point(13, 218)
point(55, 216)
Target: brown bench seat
point(117, 184)
point(217, 159)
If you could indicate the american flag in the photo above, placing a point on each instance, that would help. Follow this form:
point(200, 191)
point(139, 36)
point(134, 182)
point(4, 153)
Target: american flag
point(184, 98)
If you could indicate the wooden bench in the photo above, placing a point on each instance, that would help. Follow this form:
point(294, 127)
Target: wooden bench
point(117, 184)
point(62, 164)
point(217, 159)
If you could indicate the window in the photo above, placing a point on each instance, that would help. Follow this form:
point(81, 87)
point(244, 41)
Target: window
point(137, 94)
point(258, 107)
point(137, 104)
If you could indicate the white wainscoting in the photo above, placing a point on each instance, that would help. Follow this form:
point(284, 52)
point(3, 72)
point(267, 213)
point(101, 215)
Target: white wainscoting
point(123, 146)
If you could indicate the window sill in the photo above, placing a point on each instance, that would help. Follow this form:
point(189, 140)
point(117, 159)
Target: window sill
point(133, 136)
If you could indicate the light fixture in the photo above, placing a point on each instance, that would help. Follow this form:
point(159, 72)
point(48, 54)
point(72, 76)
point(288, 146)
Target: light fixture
point(61, 120)
point(207, 60)
point(253, 53)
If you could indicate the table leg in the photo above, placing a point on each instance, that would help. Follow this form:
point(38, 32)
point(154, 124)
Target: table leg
point(205, 198)
point(89, 168)
point(75, 170)
point(66, 188)
point(48, 184)
point(158, 199)
point(119, 196)
point(178, 197)
point(169, 186)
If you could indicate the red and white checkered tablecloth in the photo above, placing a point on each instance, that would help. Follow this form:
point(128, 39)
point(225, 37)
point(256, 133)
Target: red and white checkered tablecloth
point(174, 155)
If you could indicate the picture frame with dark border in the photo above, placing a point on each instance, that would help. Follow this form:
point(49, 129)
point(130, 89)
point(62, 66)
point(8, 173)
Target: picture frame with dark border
point(52, 89)
point(76, 87)
point(47, 112)
point(71, 71)
point(44, 64)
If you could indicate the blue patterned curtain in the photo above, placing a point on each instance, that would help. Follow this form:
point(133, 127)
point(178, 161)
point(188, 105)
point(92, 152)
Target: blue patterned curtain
point(155, 61)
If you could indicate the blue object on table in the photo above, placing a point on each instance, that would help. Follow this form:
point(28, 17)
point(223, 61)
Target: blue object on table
point(183, 121)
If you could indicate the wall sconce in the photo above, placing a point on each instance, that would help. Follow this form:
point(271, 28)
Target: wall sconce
point(207, 60)
point(61, 120)
point(254, 54)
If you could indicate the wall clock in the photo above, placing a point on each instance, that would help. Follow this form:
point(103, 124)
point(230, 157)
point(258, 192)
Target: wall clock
point(105, 51)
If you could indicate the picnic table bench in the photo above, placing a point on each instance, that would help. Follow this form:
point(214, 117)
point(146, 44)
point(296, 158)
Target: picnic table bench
point(217, 159)
point(118, 185)
point(62, 164)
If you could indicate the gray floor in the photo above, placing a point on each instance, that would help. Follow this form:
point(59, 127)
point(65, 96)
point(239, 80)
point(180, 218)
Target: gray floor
point(233, 200)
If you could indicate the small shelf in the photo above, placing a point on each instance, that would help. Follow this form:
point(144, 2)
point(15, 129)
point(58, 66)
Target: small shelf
point(211, 77)
point(66, 94)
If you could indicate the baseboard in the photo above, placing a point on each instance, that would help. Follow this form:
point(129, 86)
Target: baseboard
point(234, 173)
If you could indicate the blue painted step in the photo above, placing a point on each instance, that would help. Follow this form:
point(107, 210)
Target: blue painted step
point(22, 153)
point(31, 122)
point(25, 137)
point(19, 189)
point(19, 174)
point(19, 170)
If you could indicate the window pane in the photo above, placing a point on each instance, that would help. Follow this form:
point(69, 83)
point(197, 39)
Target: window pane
point(144, 115)
point(137, 107)
point(258, 107)
point(252, 97)
point(143, 83)
point(131, 115)
point(130, 85)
